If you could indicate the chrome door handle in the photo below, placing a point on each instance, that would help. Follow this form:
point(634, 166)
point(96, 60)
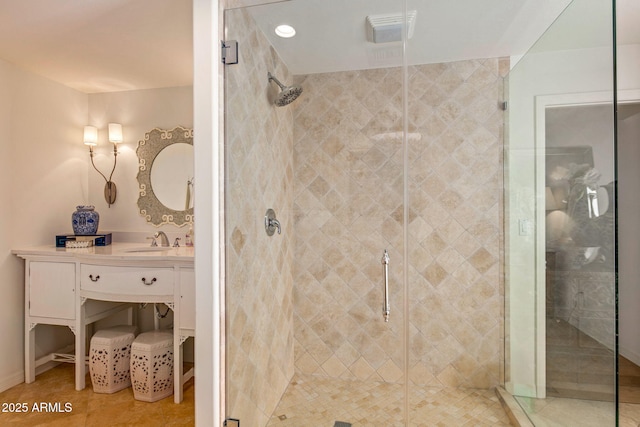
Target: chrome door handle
point(386, 309)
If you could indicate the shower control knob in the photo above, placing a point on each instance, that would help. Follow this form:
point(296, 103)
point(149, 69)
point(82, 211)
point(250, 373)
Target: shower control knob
point(271, 224)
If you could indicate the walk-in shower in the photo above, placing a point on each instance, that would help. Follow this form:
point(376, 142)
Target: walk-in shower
point(397, 149)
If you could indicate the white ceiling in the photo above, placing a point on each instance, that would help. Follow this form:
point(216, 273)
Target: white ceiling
point(331, 34)
point(100, 45)
point(112, 45)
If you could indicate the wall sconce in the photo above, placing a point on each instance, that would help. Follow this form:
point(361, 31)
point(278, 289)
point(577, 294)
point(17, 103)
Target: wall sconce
point(115, 137)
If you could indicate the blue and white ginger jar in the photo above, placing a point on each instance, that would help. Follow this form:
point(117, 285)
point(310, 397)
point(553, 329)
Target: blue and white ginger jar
point(85, 221)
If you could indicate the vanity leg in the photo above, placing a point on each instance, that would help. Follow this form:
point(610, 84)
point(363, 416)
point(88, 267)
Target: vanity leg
point(81, 344)
point(29, 353)
point(156, 319)
point(132, 318)
point(177, 368)
point(29, 332)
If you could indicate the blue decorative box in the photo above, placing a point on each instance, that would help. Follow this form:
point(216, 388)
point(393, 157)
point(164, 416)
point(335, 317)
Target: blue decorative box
point(98, 239)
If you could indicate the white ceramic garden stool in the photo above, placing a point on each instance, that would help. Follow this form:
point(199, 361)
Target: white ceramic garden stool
point(152, 366)
point(109, 354)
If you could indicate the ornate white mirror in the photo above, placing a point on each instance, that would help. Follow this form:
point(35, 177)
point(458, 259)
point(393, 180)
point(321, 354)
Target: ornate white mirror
point(165, 176)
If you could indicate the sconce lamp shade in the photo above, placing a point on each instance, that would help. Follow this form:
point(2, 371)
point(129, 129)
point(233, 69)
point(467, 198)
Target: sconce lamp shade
point(91, 136)
point(115, 133)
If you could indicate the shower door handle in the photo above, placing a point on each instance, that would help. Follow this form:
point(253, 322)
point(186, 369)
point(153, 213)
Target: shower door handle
point(386, 309)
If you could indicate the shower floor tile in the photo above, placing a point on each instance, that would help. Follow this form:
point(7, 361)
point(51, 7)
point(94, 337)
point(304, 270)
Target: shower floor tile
point(317, 402)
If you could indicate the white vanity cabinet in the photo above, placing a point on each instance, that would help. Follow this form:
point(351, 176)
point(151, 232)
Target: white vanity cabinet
point(49, 299)
point(52, 287)
point(76, 287)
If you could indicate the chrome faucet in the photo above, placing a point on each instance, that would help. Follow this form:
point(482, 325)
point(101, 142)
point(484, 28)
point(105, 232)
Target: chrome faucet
point(164, 240)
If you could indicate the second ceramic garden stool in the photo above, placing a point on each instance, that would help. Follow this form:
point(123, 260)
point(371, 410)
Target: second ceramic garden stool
point(152, 366)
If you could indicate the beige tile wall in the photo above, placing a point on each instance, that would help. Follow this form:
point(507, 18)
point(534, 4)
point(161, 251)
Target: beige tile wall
point(456, 281)
point(349, 207)
point(259, 168)
point(348, 204)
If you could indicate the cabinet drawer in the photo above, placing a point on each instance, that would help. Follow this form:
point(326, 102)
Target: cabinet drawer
point(126, 280)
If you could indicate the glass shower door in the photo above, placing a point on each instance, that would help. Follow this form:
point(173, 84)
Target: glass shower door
point(307, 342)
point(561, 214)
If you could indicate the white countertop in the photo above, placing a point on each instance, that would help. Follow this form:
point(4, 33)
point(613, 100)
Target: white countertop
point(114, 251)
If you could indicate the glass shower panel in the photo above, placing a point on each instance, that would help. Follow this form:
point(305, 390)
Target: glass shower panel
point(560, 176)
point(455, 143)
point(307, 343)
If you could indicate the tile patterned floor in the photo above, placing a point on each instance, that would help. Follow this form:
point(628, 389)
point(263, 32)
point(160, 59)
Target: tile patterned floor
point(319, 402)
point(87, 408)
point(308, 402)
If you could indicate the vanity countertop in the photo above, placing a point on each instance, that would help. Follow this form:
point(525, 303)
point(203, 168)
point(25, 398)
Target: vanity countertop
point(114, 251)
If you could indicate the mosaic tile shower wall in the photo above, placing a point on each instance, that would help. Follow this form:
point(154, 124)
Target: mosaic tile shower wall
point(259, 174)
point(349, 208)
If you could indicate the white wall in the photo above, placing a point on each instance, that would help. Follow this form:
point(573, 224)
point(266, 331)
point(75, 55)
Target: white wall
point(43, 175)
point(629, 204)
point(208, 140)
point(629, 238)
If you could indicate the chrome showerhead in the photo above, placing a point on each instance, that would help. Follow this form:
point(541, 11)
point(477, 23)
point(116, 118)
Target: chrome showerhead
point(287, 95)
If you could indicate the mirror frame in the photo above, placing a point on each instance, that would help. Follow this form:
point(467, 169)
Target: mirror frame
point(148, 149)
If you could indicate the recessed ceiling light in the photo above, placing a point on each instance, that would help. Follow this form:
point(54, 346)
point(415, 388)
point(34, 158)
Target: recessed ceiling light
point(285, 31)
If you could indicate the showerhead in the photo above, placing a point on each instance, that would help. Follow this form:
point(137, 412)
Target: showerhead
point(287, 95)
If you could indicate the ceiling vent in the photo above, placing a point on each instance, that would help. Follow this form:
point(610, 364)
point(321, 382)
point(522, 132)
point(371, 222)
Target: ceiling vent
point(388, 28)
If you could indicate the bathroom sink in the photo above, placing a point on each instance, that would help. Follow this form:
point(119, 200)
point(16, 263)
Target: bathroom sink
point(147, 249)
